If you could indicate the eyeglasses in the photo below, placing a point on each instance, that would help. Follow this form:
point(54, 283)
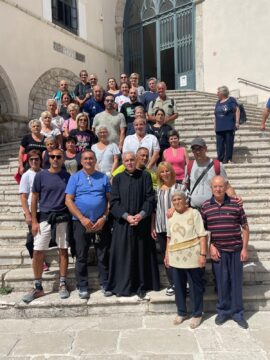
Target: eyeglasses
point(34, 159)
point(92, 79)
point(123, 77)
point(110, 101)
point(197, 148)
point(58, 157)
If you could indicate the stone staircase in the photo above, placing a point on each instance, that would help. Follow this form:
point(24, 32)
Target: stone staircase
point(250, 176)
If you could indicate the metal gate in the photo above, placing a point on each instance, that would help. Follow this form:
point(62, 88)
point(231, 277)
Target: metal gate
point(171, 58)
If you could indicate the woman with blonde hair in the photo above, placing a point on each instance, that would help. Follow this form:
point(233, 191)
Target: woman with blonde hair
point(70, 124)
point(85, 137)
point(48, 129)
point(166, 181)
point(134, 82)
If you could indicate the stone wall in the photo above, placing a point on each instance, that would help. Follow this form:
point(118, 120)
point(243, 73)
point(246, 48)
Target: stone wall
point(44, 88)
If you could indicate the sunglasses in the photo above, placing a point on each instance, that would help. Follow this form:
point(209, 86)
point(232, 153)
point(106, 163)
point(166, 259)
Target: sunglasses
point(58, 157)
point(110, 101)
point(34, 159)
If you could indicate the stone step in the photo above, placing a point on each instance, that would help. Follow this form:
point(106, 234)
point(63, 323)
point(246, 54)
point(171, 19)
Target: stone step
point(18, 257)
point(156, 302)
point(21, 279)
point(12, 222)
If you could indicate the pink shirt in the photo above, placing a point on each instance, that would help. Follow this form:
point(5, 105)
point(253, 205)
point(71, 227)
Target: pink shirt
point(178, 162)
point(69, 124)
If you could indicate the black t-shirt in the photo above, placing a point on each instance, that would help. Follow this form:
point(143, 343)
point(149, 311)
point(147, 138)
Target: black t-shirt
point(63, 112)
point(28, 143)
point(161, 134)
point(82, 89)
point(85, 139)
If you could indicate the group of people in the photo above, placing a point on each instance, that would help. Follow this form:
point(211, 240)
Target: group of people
point(77, 190)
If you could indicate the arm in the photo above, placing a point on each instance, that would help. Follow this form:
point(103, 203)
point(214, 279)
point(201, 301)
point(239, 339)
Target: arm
point(115, 163)
point(21, 153)
point(150, 115)
point(237, 117)
point(26, 210)
point(170, 118)
point(87, 223)
point(122, 138)
point(245, 235)
point(98, 225)
point(34, 203)
point(166, 258)
point(153, 226)
point(203, 251)
point(265, 115)
point(153, 160)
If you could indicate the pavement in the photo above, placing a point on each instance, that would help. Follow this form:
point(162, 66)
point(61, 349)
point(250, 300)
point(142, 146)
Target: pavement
point(133, 337)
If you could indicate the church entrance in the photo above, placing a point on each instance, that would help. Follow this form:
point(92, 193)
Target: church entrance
point(159, 41)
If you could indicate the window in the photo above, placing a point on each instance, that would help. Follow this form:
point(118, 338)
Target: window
point(64, 14)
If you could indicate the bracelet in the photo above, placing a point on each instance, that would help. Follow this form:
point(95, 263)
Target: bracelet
point(202, 254)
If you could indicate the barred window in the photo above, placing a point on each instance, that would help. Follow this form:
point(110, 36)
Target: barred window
point(65, 14)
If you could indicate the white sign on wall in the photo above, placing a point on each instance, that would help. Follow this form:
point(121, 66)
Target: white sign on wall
point(183, 81)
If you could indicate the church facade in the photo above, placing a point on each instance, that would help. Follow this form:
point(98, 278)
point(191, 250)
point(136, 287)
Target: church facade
point(190, 44)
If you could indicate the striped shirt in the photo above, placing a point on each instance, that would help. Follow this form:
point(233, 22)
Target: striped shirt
point(224, 223)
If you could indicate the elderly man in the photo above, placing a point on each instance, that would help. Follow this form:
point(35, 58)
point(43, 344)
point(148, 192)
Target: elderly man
point(128, 110)
point(133, 262)
point(113, 120)
point(95, 104)
point(140, 138)
point(63, 87)
point(265, 115)
point(87, 198)
point(123, 78)
point(57, 120)
point(225, 219)
point(165, 103)
point(49, 191)
point(200, 172)
point(142, 158)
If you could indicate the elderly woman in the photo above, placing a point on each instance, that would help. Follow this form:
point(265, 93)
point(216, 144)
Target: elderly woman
point(176, 155)
point(160, 130)
point(112, 87)
point(134, 82)
point(70, 124)
point(186, 255)
point(72, 161)
point(25, 190)
point(33, 141)
point(48, 129)
point(107, 153)
point(141, 139)
point(85, 137)
point(227, 116)
point(166, 186)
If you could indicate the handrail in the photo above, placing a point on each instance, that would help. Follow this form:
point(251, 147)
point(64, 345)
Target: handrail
point(254, 84)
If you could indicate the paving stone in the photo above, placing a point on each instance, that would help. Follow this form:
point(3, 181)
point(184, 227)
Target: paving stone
point(38, 344)
point(100, 342)
point(262, 336)
point(207, 339)
point(7, 343)
point(243, 355)
point(163, 341)
point(238, 342)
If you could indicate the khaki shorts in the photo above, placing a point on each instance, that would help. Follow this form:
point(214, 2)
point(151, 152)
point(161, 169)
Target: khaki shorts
point(43, 238)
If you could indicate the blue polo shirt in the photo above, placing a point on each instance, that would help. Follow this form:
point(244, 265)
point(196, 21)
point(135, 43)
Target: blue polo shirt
point(89, 193)
point(93, 107)
point(225, 114)
point(268, 104)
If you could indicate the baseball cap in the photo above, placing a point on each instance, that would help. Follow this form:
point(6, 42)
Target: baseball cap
point(198, 141)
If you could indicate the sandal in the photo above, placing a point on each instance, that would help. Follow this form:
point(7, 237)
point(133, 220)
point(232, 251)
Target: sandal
point(195, 322)
point(179, 319)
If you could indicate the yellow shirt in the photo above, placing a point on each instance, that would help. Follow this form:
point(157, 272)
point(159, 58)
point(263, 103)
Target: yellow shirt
point(122, 168)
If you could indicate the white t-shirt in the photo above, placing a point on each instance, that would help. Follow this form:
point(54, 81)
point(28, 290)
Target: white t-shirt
point(54, 132)
point(105, 157)
point(133, 143)
point(120, 100)
point(26, 184)
point(58, 122)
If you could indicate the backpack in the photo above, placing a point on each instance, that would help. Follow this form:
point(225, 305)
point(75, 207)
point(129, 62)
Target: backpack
point(154, 101)
point(189, 168)
point(243, 115)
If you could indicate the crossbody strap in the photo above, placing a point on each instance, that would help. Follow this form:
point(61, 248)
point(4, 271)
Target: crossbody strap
point(201, 176)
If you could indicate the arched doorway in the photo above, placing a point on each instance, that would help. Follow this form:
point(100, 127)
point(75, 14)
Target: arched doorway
point(8, 97)
point(159, 41)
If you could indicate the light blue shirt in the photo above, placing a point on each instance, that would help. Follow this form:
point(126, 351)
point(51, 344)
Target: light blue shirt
point(89, 193)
